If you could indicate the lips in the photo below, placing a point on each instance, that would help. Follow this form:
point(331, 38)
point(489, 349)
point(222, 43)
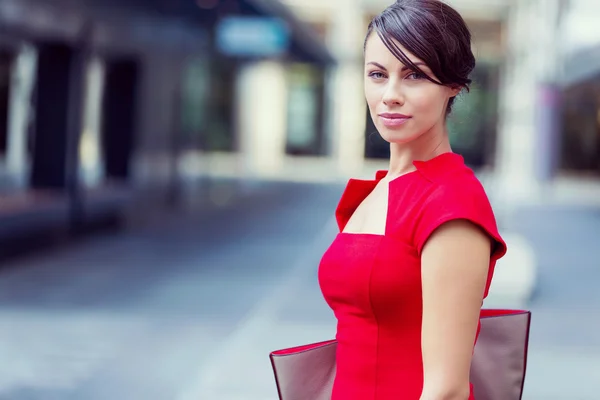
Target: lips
point(392, 120)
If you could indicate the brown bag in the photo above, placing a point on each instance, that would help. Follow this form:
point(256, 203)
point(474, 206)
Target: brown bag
point(497, 370)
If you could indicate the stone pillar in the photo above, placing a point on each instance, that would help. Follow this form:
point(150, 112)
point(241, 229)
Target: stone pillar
point(20, 113)
point(522, 155)
point(345, 89)
point(548, 122)
point(261, 111)
point(91, 168)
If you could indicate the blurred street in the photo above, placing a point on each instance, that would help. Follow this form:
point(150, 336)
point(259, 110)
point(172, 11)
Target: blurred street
point(146, 315)
point(190, 308)
point(564, 346)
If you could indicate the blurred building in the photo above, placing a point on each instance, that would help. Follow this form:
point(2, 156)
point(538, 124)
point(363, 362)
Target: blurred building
point(98, 98)
point(579, 79)
point(299, 113)
point(498, 126)
point(343, 25)
point(106, 104)
point(529, 116)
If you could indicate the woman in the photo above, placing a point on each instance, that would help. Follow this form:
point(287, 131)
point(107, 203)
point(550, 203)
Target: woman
point(408, 272)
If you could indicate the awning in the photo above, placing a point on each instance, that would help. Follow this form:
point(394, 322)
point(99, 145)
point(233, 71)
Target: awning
point(305, 40)
point(160, 22)
point(305, 43)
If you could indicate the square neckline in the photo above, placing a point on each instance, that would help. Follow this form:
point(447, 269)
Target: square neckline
point(357, 190)
point(387, 206)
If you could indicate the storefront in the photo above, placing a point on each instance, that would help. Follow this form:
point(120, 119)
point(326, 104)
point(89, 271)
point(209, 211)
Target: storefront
point(580, 133)
point(98, 98)
point(579, 139)
point(88, 97)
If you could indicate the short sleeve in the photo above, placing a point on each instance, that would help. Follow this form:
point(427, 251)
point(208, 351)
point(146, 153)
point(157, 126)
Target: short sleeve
point(455, 202)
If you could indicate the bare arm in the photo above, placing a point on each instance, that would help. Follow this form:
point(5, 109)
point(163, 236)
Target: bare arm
point(455, 262)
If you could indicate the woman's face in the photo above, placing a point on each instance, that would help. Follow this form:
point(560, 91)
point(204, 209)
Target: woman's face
point(403, 104)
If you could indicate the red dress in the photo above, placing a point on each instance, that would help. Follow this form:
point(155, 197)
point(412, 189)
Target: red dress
point(373, 282)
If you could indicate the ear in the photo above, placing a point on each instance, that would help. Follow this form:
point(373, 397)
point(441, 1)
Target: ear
point(454, 90)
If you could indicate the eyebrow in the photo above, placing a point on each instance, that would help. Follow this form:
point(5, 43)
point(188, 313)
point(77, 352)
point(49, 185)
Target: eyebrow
point(404, 68)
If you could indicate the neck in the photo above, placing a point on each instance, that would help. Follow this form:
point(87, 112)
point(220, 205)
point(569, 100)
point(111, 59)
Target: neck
point(426, 147)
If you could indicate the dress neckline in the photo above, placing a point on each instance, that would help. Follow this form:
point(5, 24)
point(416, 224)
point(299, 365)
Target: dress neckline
point(429, 168)
point(358, 189)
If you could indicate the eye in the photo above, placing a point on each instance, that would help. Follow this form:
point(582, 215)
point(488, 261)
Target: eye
point(377, 75)
point(415, 76)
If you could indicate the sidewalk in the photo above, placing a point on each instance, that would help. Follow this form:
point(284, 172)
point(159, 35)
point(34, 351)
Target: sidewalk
point(564, 342)
point(151, 312)
point(292, 312)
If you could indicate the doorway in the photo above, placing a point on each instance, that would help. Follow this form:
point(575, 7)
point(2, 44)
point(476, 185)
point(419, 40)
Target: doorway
point(119, 116)
point(6, 62)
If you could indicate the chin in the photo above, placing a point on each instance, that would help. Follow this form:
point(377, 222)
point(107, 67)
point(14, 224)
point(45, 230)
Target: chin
point(396, 135)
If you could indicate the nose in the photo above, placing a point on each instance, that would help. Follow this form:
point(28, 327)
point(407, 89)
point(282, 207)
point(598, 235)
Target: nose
point(393, 94)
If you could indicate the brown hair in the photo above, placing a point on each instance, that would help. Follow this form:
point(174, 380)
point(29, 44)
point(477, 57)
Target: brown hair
point(434, 32)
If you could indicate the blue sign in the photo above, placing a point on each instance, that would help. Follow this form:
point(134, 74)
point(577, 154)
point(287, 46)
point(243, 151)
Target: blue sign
point(252, 36)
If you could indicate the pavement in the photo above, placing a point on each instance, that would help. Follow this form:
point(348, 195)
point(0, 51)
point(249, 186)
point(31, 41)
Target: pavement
point(564, 350)
point(190, 306)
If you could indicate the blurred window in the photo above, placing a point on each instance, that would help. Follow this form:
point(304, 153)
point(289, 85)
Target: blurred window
point(303, 110)
point(195, 92)
point(220, 127)
point(581, 127)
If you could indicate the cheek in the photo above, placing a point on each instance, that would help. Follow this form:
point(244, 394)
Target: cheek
point(372, 95)
point(428, 101)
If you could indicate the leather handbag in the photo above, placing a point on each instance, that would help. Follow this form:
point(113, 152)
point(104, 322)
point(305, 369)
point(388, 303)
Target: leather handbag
point(497, 369)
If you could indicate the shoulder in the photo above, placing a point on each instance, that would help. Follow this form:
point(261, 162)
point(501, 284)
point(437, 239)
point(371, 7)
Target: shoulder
point(444, 181)
point(457, 195)
point(445, 173)
point(460, 189)
point(449, 191)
